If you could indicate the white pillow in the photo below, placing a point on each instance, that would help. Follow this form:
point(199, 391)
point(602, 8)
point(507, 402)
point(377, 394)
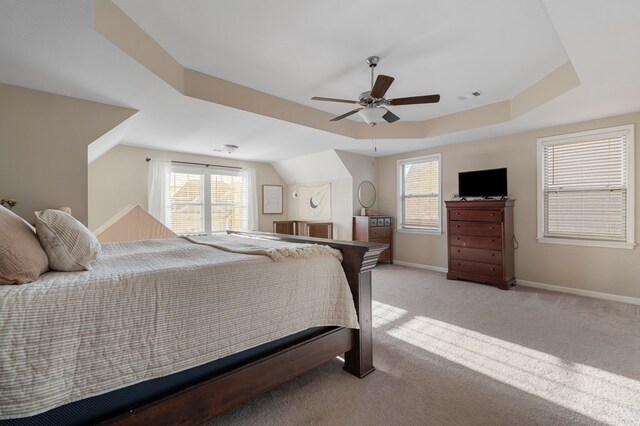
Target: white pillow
point(69, 245)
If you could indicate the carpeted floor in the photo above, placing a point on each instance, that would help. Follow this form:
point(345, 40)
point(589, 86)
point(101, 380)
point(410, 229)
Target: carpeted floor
point(452, 353)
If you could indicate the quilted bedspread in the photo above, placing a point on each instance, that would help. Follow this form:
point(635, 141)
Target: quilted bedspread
point(151, 308)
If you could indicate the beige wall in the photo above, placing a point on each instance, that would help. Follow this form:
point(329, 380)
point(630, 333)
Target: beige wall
point(361, 168)
point(43, 147)
point(614, 271)
point(119, 178)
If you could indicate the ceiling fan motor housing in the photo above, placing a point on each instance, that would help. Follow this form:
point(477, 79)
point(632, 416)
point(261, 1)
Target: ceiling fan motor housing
point(365, 98)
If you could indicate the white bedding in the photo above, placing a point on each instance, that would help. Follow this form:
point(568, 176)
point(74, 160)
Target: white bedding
point(152, 308)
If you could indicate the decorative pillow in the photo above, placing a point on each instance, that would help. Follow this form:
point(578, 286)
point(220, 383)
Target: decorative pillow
point(69, 245)
point(67, 210)
point(22, 260)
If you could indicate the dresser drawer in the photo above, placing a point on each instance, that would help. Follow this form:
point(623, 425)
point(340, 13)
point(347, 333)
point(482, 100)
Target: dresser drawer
point(476, 228)
point(477, 268)
point(381, 232)
point(476, 215)
point(489, 243)
point(476, 255)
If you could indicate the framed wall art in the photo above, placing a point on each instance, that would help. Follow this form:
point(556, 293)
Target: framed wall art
point(271, 199)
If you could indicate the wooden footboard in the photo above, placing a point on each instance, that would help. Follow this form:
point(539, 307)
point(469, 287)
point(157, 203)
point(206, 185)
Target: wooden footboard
point(210, 397)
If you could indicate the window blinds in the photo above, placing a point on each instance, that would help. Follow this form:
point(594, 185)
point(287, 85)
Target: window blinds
point(421, 193)
point(227, 208)
point(207, 200)
point(585, 188)
point(187, 209)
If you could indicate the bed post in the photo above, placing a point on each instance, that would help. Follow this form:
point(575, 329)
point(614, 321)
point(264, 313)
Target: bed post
point(358, 263)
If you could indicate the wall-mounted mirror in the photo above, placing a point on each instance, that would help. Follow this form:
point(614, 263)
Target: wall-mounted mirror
point(366, 194)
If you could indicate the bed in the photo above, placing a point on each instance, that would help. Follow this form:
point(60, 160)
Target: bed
point(204, 376)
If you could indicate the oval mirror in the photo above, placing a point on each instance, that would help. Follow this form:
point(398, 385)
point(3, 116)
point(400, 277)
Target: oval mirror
point(366, 194)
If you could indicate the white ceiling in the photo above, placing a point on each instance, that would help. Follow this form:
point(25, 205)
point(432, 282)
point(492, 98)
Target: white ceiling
point(296, 50)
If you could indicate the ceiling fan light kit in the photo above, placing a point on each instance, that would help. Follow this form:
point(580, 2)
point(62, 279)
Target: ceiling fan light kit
point(372, 115)
point(229, 149)
point(372, 104)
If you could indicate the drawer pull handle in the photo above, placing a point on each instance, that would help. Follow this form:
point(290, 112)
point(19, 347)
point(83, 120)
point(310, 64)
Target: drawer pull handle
point(493, 254)
point(493, 269)
point(459, 264)
point(490, 214)
point(493, 241)
point(458, 251)
point(491, 227)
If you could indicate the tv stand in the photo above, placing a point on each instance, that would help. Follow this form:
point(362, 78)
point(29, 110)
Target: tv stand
point(480, 241)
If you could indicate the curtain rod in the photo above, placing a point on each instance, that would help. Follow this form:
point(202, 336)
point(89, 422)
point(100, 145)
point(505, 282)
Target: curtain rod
point(200, 164)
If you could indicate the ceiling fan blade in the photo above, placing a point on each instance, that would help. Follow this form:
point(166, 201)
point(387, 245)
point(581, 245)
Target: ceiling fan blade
point(412, 100)
point(340, 117)
point(344, 101)
point(390, 117)
point(383, 82)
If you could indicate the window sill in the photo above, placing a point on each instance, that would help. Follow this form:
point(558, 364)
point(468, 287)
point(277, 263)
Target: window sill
point(587, 243)
point(419, 231)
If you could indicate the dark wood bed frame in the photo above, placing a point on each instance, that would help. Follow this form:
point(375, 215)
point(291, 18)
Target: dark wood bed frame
point(215, 395)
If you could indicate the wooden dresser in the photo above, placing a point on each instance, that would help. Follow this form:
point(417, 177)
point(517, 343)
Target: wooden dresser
point(375, 229)
point(480, 235)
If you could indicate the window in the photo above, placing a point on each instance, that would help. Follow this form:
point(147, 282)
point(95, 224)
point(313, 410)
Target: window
point(585, 188)
point(419, 194)
point(203, 200)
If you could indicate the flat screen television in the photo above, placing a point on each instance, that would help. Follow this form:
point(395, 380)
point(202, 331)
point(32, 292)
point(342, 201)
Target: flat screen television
point(483, 183)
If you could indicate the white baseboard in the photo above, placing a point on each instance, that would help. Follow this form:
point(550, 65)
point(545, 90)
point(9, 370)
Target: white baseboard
point(420, 266)
point(580, 292)
point(550, 287)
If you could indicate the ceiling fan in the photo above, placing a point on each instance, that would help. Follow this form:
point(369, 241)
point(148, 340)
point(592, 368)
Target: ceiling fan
point(372, 104)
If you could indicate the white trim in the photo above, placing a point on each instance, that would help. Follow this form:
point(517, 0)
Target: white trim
point(421, 266)
point(579, 292)
point(627, 130)
point(419, 231)
point(587, 243)
point(399, 193)
point(533, 284)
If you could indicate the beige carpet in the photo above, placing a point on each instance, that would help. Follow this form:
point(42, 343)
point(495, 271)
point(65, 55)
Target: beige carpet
point(450, 353)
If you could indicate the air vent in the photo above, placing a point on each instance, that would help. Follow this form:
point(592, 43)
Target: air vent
point(476, 93)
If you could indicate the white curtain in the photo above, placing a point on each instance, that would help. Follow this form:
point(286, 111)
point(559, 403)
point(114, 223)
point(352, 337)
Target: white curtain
point(250, 193)
point(159, 196)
